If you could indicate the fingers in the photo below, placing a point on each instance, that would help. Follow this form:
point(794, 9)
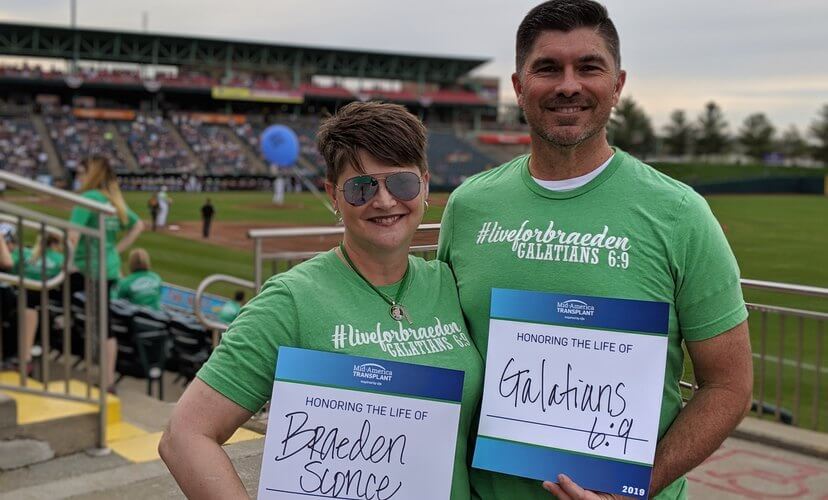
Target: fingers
point(566, 489)
point(556, 490)
point(570, 487)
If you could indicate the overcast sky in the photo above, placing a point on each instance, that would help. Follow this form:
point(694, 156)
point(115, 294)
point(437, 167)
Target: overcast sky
point(747, 55)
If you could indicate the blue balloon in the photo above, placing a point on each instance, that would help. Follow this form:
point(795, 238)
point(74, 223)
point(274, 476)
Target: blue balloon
point(280, 145)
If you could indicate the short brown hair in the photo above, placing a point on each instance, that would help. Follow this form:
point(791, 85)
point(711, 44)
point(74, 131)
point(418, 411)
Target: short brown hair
point(387, 132)
point(565, 15)
point(139, 260)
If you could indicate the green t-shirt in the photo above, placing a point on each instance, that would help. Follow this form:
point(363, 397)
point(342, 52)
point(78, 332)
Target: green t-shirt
point(85, 217)
point(229, 311)
point(141, 288)
point(630, 233)
point(32, 268)
point(322, 304)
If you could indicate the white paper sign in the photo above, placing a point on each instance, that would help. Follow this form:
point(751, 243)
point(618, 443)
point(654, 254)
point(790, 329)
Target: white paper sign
point(573, 385)
point(358, 428)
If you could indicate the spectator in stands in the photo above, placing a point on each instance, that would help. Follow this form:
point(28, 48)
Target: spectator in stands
point(99, 183)
point(231, 308)
point(21, 150)
point(567, 80)
point(207, 212)
point(141, 287)
point(377, 180)
point(44, 253)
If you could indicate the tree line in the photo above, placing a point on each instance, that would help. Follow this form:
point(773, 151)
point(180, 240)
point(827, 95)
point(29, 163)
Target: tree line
point(707, 136)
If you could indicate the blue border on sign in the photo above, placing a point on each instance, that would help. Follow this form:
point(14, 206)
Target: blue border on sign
point(544, 464)
point(581, 311)
point(368, 374)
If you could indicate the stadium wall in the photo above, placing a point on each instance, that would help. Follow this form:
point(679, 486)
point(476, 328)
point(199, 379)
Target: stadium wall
point(764, 185)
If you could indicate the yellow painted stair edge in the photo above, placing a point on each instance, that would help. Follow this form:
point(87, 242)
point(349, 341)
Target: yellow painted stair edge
point(35, 408)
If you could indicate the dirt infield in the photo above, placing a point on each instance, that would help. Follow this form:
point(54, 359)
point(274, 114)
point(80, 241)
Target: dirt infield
point(234, 235)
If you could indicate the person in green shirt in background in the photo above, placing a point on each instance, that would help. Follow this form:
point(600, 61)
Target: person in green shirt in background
point(48, 252)
point(231, 308)
point(142, 287)
point(99, 183)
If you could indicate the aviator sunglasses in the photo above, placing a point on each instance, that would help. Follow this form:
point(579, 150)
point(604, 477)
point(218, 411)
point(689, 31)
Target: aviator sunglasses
point(361, 189)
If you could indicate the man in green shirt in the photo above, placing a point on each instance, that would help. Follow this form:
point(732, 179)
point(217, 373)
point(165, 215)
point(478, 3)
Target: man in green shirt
point(142, 287)
point(579, 217)
point(231, 308)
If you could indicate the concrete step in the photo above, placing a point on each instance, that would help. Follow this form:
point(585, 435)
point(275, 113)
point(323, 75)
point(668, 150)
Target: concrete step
point(17, 453)
point(132, 437)
point(40, 426)
point(8, 415)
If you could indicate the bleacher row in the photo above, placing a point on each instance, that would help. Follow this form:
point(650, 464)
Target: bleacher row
point(149, 342)
point(150, 144)
point(192, 79)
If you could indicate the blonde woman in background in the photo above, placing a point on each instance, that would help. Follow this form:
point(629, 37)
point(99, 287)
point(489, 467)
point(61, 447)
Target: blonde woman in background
point(99, 183)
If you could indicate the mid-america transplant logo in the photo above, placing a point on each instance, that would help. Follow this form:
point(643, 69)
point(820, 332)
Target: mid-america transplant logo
point(372, 374)
point(576, 309)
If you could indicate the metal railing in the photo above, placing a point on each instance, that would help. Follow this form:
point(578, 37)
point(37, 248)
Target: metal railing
point(804, 354)
point(260, 235)
point(95, 316)
point(813, 335)
point(214, 327)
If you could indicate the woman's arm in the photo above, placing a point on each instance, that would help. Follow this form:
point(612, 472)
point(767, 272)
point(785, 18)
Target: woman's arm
point(191, 445)
point(130, 237)
point(6, 262)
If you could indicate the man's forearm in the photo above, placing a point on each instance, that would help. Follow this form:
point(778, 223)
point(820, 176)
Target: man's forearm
point(697, 432)
point(201, 468)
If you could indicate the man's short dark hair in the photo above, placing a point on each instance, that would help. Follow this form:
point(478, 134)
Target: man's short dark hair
point(387, 132)
point(565, 15)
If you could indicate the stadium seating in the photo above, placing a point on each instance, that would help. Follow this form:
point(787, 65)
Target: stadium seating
point(155, 148)
point(190, 347)
point(76, 139)
point(21, 149)
point(149, 341)
point(151, 144)
point(452, 160)
point(219, 152)
point(143, 344)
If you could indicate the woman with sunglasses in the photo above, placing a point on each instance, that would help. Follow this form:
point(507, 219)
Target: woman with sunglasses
point(377, 179)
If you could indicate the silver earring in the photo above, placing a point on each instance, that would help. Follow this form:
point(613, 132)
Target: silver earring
point(338, 215)
point(425, 203)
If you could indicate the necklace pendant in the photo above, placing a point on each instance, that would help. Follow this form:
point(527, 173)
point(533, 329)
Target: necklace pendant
point(398, 312)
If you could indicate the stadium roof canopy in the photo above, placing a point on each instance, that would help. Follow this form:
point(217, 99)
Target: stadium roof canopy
point(29, 40)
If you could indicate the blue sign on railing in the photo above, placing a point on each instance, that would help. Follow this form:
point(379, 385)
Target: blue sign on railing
point(181, 299)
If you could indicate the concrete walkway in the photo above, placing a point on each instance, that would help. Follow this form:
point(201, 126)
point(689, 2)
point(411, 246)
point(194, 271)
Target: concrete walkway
point(743, 469)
